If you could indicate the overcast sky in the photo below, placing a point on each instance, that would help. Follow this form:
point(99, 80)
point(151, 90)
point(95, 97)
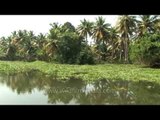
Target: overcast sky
point(40, 23)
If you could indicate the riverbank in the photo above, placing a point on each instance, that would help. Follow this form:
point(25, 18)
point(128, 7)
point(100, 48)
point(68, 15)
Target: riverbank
point(85, 72)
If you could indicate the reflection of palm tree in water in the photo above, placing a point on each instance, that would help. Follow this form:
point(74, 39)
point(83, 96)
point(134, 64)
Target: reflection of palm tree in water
point(24, 82)
point(72, 90)
point(105, 92)
point(75, 91)
point(64, 92)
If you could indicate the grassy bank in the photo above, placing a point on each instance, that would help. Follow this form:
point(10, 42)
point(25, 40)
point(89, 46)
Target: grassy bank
point(85, 72)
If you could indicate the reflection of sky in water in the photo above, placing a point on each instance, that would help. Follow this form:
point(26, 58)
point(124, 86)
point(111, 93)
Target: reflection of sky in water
point(71, 102)
point(88, 88)
point(7, 96)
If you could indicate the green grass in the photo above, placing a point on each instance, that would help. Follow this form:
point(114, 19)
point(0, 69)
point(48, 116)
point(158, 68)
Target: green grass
point(85, 72)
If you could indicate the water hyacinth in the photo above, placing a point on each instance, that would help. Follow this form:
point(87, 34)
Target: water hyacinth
point(84, 72)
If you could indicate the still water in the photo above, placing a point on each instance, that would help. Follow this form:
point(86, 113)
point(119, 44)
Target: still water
point(35, 88)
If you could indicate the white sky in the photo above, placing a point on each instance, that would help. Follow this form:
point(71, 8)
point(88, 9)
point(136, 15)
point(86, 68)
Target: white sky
point(40, 23)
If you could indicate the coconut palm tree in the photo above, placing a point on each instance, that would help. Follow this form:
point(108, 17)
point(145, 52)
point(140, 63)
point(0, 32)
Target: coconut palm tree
point(101, 35)
point(85, 28)
point(40, 39)
point(55, 31)
point(113, 42)
point(100, 30)
point(125, 26)
point(147, 24)
point(50, 45)
point(12, 48)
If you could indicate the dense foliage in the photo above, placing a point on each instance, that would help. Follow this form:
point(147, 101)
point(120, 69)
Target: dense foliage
point(134, 39)
point(146, 50)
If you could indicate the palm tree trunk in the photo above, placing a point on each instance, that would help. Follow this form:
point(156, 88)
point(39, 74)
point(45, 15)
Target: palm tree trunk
point(112, 55)
point(103, 52)
point(122, 49)
point(120, 56)
point(126, 49)
point(112, 51)
point(86, 39)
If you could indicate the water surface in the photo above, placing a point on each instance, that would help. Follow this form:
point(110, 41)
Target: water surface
point(35, 88)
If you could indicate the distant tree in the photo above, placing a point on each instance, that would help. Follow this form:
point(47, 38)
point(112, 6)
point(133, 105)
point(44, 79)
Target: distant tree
point(147, 24)
point(85, 29)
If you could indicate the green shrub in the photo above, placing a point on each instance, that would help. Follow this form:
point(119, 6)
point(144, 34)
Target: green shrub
point(69, 46)
point(146, 50)
point(86, 55)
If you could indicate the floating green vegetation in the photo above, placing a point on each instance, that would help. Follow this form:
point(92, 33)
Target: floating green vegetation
point(84, 72)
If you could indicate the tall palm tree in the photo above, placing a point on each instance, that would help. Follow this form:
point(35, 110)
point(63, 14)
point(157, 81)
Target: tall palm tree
point(55, 31)
point(85, 28)
point(40, 40)
point(147, 24)
point(50, 45)
point(100, 30)
point(125, 26)
point(23, 41)
point(113, 41)
point(101, 35)
point(12, 48)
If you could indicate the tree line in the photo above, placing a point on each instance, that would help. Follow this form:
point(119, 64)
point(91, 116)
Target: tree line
point(134, 38)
